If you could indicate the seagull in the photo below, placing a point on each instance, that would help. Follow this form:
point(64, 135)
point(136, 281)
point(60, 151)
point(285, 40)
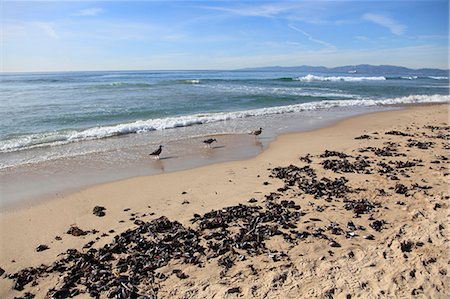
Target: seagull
point(257, 132)
point(157, 152)
point(209, 141)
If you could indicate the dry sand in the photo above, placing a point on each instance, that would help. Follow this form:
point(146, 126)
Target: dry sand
point(409, 257)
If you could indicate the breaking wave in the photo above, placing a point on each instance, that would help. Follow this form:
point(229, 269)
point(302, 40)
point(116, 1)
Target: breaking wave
point(68, 136)
point(315, 78)
point(312, 78)
point(438, 77)
point(123, 84)
point(191, 81)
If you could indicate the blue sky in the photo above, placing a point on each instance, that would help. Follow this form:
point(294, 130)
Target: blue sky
point(143, 35)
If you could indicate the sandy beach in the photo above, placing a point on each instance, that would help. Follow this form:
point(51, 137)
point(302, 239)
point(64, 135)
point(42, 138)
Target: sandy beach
point(355, 210)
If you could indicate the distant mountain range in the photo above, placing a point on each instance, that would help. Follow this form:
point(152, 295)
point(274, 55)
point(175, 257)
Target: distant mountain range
point(362, 69)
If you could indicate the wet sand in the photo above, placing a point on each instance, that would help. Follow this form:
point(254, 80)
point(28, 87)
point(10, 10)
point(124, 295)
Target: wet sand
point(27, 185)
point(396, 189)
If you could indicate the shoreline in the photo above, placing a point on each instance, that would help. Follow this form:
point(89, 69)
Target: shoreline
point(27, 184)
point(204, 188)
point(264, 146)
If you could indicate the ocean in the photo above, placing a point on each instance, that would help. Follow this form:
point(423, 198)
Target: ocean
point(118, 117)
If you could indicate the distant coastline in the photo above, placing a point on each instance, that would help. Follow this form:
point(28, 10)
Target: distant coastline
point(352, 69)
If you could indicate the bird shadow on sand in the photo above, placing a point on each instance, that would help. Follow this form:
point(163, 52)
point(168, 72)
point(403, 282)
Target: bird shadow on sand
point(259, 144)
point(218, 146)
point(168, 158)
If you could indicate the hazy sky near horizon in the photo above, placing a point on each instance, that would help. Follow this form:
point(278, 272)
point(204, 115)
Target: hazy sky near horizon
point(163, 35)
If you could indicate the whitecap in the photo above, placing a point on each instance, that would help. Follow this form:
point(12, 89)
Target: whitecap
point(311, 78)
point(438, 77)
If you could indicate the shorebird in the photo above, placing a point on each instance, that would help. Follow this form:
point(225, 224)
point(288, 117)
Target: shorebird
point(157, 152)
point(256, 133)
point(209, 141)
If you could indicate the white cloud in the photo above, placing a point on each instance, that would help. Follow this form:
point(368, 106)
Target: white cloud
point(22, 30)
point(368, 40)
point(395, 27)
point(414, 57)
point(362, 37)
point(89, 12)
point(303, 11)
point(47, 28)
point(126, 31)
point(266, 10)
point(317, 41)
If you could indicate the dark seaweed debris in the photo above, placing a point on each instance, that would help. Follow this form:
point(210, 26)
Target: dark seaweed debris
point(306, 158)
point(440, 135)
point(390, 150)
point(385, 168)
point(420, 144)
point(76, 231)
point(362, 206)
point(363, 137)
point(27, 295)
point(406, 164)
point(393, 168)
point(421, 187)
point(306, 180)
point(360, 165)
point(437, 128)
point(401, 189)
point(134, 255)
point(328, 154)
point(27, 275)
point(406, 246)
point(377, 225)
point(125, 268)
point(398, 133)
point(255, 226)
point(234, 290)
point(99, 211)
point(42, 247)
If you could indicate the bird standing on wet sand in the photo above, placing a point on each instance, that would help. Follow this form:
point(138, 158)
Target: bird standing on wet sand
point(209, 141)
point(157, 152)
point(256, 133)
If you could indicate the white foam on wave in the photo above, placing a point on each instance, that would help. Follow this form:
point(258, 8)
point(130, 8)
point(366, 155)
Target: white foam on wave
point(50, 139)
point(292, 91)
point(192, 81)
point(311, 78)
point(409, 77)
point(123, 84)
point(438, 77)
point(33, 140)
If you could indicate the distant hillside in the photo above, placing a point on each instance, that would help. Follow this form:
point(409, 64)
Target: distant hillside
point(362, 68)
